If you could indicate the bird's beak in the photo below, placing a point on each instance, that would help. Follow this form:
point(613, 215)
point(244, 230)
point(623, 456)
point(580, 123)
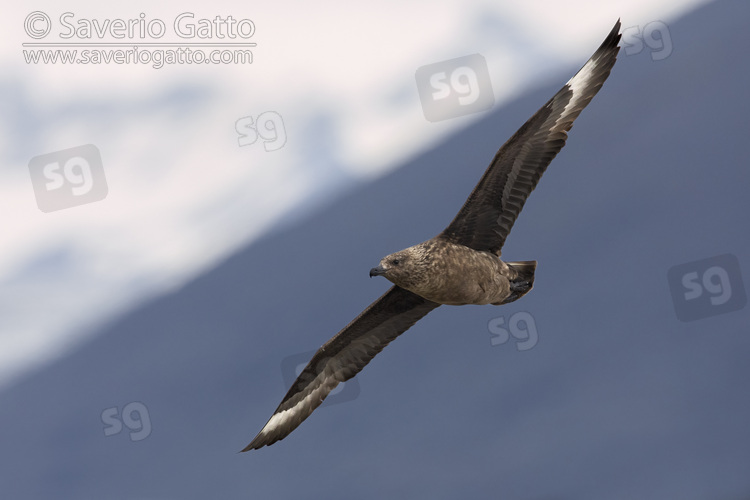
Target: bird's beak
point(377, 271)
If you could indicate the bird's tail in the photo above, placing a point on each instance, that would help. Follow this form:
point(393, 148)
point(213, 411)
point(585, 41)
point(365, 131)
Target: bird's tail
point(524, 280)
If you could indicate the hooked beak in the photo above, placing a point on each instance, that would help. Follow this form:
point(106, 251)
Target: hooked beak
point(377, 271)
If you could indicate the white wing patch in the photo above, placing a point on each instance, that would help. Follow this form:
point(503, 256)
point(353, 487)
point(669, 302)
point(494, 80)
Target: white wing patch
point(325, 383)
point(578, 85)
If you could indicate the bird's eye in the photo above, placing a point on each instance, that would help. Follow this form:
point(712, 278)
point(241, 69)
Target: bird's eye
point(395, 262)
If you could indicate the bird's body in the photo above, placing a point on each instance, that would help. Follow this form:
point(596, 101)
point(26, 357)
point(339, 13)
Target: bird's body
point(459, 266)
point(454, 274)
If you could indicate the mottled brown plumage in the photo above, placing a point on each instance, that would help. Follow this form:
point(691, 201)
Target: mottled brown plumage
point(459, 266)
point(456, 275)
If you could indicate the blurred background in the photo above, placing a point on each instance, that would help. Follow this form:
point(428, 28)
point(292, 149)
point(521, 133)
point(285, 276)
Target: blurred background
point(178, 236)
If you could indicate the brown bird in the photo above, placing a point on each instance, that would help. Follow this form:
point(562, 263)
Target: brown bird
point(459, 266)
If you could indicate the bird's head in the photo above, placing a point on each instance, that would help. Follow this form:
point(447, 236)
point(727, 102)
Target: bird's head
point(406, 268)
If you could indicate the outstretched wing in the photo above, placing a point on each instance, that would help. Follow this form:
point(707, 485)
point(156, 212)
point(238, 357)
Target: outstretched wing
point(342, 357)
point(488, 215)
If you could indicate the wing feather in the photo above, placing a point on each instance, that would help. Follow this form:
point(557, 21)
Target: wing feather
point(342, 357)
point(488, 215)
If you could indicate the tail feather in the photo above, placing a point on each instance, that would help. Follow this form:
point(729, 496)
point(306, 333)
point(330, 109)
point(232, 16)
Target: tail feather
point(524, 280)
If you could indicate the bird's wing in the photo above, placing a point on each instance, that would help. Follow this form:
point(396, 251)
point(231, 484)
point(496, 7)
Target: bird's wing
point(342, 357)
point(488, 215)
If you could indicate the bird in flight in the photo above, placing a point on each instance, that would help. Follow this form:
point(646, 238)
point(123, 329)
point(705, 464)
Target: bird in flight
point(459, 266)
